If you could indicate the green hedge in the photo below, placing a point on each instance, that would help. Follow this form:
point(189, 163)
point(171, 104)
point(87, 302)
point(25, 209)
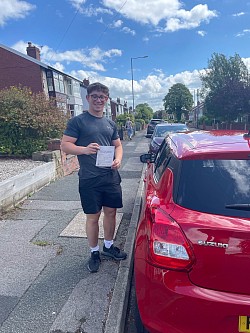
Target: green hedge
point(27, 121)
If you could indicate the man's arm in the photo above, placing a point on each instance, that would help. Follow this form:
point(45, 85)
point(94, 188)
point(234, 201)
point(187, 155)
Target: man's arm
point(69, 147)
point(118, 154)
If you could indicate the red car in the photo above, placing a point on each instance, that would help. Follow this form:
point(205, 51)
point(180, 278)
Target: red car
point(192, 249)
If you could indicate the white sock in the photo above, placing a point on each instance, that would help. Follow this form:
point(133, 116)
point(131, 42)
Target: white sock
point(108, 243)
point(96, 248)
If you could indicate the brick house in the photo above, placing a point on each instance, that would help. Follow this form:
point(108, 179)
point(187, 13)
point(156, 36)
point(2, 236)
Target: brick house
point(17, 69)
point(69, 92)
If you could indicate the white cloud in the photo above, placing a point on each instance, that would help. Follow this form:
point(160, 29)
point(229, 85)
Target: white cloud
point(77, 3)
point(117, 24)
point(201, 33)
point(59, 66)
point(169, 11)
point(190, 19)
point(151, 89)
point(146, 11)
point(239, 14)
point(89, 10)
point(91, 58)
point(128, 31)
point(246, 62)
point(243, 33)
point(13, 10)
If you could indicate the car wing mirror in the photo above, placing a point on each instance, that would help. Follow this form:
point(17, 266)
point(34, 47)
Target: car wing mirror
point(147, 158)
point(247, 137)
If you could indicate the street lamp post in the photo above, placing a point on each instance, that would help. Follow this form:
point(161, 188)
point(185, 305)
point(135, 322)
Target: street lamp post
point(132, 77)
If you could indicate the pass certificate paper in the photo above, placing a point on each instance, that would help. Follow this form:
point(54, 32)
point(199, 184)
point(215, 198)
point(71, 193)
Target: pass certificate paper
point(105, 156)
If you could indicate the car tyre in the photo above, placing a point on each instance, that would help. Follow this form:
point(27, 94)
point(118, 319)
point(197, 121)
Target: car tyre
point(138, 323)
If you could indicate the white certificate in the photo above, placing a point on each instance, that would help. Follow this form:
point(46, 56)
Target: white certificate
point(105, 156)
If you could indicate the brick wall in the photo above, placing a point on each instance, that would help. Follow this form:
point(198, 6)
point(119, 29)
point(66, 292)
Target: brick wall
point(69, 163)
point(16, 70)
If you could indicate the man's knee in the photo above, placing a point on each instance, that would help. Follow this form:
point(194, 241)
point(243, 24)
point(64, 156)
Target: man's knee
point(109, 211)
point(93, 218)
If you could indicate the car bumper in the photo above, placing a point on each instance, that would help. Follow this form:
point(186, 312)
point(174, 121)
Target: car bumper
point(169, 303)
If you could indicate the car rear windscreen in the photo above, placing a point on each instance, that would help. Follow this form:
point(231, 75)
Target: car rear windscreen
point(215, 186)
point(162, 131)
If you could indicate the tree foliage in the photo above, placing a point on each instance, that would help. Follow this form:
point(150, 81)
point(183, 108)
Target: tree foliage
point(160, 114)
point(179, 100)
point(225, 87)
point(122, 118)
point(27, 121)
point(143, 111)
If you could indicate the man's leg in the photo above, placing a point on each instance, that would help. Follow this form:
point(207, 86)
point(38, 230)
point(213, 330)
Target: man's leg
point(109, 222)
point(92, 231)
point(92, 228)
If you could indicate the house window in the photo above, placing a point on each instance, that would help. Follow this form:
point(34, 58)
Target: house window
point(76, 88)
point(62, 106)
point(58, 82)
point(69, 87)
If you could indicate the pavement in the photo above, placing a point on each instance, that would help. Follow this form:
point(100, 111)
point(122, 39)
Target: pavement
point(45, 286)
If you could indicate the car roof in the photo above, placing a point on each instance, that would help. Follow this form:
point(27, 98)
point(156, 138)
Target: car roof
point(170, 124)
point(217, 144)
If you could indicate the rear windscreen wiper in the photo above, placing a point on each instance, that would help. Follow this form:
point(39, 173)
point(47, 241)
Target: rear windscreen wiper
point(239, 206)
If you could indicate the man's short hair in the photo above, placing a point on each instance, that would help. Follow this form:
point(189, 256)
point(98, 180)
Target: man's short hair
point(97, 86)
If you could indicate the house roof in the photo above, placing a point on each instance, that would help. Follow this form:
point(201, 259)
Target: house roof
point(24, 56)
point(40, 63)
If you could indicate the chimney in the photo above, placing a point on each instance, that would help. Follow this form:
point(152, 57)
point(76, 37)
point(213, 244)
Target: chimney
point(33, 51)
point(86, 82)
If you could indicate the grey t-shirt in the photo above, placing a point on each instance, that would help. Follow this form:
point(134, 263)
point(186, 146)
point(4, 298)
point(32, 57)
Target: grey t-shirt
point(88, 129)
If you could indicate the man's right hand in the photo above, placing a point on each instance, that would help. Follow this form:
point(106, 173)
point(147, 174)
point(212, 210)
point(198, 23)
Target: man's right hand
point(92, 148)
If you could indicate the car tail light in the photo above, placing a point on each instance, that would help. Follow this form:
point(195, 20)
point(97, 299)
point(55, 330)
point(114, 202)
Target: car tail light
point(168, 246)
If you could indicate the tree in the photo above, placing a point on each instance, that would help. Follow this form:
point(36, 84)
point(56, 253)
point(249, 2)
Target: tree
point(179, 100)
point(143, 111)
point(27, 121)
point(225, 87)
point(160, 114)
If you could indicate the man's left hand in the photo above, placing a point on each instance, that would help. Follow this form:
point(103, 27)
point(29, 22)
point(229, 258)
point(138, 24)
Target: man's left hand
point(116, 164)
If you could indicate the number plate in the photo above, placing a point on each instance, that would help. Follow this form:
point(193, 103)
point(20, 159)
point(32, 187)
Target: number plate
point(244, 324)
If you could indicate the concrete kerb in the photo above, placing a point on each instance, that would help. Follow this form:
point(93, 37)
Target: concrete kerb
point(118, 307)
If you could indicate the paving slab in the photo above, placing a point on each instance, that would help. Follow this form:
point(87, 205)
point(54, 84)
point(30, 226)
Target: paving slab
point(77, 227)
point(51, 205)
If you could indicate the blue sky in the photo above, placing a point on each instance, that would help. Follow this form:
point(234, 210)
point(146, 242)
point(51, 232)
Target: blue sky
point(97, 39)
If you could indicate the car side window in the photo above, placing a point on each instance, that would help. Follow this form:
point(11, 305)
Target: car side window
point(162, 160)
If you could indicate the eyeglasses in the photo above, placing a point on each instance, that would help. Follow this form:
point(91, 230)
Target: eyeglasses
point(101, 97)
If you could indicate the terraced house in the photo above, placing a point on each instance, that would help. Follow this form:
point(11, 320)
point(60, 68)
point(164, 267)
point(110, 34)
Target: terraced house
point(68, 92)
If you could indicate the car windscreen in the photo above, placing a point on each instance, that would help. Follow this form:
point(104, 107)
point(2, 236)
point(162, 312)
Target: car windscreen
point(215, 186)
point(162, 131)
point(155, 122)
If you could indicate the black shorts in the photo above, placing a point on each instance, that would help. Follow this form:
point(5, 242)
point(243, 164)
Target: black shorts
point(101, 191)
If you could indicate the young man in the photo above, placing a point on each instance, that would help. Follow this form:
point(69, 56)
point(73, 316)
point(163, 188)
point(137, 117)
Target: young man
point(99, 187)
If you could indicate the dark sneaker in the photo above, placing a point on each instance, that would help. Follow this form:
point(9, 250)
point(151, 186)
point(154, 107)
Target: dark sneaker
point(114, 252)
point(94, 262)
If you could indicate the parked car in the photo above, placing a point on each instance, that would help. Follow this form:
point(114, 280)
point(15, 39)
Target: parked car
point(161, 130)
point(192, 247)
point(151, 126)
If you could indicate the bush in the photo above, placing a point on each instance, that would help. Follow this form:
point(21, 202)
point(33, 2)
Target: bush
point(140, 124)
point(204, 120)
point(27, 121)
point(121, 119)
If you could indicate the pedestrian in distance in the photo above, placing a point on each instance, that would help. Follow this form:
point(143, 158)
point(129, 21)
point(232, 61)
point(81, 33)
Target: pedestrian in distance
point(129, 128)
point(99, 187)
